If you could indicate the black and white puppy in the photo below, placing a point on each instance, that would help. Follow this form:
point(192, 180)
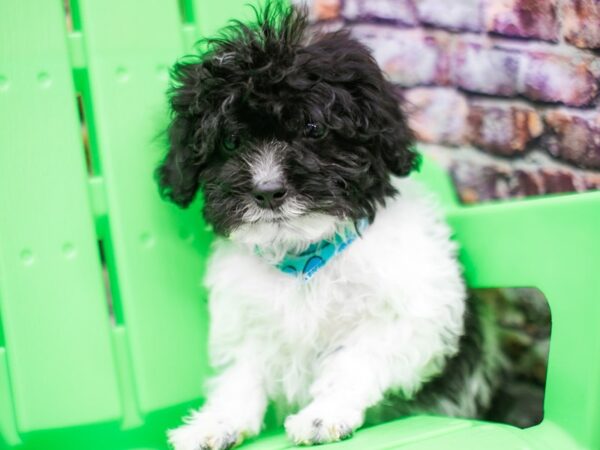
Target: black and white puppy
point(334, 284)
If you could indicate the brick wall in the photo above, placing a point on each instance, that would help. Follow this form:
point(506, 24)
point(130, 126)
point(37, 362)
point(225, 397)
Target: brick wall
point(505, 93)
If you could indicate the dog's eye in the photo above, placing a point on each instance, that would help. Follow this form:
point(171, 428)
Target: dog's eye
point(313, 130)
point(231, 142)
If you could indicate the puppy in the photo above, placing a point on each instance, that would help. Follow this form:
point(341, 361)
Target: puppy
point(334, 285)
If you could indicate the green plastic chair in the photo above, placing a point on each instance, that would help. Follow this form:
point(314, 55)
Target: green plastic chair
point(74, 376)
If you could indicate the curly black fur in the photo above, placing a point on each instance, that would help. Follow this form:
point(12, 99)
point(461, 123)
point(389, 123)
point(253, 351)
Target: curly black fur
point(265, 81)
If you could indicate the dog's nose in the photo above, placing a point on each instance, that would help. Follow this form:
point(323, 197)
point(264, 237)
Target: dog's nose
point(270, 194)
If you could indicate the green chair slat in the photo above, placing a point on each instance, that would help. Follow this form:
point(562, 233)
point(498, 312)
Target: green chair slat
point(552, 244)
point(156, 250)
point(8, 426)
point(53, 306)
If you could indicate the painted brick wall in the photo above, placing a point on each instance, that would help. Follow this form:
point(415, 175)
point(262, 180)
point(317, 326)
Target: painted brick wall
point(505, 93)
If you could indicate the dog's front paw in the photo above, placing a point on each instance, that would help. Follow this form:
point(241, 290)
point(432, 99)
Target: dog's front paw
point(204, 432)
point(320, 424)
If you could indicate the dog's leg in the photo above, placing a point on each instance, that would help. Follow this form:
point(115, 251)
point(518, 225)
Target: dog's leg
point(341, 394)
point(234, 410)
point(373, 360)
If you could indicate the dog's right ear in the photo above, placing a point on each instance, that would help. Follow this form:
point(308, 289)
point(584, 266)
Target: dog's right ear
point(178, 175)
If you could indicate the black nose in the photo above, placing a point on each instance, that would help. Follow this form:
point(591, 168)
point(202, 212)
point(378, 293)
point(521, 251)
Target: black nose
point(269, 194)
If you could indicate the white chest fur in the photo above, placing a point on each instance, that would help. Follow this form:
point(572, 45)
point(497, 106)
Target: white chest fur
point(397, 286)
point(383, 315)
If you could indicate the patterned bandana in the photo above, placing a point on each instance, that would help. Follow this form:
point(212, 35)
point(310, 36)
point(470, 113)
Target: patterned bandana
point(307, 263)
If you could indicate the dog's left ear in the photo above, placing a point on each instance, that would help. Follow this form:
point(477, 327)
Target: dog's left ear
point(381, 102)
point(377, 110)
point(396, 140)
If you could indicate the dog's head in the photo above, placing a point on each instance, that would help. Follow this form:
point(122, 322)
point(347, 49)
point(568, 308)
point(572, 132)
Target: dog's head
point(286, 134)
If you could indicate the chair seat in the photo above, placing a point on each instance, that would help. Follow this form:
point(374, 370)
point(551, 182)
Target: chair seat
point(436, 433)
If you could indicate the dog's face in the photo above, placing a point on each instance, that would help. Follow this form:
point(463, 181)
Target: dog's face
point(285, 137)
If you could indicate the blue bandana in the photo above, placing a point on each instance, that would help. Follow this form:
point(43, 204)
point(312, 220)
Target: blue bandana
point(307, 263)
